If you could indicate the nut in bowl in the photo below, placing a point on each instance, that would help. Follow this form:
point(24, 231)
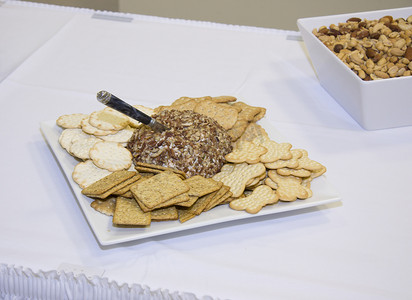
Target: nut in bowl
point(377, 96)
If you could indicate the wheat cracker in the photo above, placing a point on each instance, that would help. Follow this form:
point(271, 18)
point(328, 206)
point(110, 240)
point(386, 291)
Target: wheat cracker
point(165, 214)
point(106, 183)
point(128, 213)
point(224, 99)
point(221, 195)
point(158, 189)
point(200, 186)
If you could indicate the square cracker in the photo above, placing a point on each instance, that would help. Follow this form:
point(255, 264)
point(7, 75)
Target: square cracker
point(220, 196)
point(128, 213)
point(165, 214)
point(113, 190)
point(158, 189)
point(156, 169)
point(108, 182)
point(185, 215)
point(200, 186)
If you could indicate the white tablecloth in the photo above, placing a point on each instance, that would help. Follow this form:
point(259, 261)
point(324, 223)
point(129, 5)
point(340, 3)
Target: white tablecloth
point(54, 60)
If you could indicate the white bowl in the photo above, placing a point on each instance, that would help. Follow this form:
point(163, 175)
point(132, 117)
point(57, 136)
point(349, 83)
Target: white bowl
point(376, 104)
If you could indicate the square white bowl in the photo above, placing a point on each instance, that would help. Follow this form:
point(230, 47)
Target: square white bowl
point(377, 104)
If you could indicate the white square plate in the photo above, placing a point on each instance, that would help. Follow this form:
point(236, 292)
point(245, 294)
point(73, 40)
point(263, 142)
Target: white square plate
point(107, 234)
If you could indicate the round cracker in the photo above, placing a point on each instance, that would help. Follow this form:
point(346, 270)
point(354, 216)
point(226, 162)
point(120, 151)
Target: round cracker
point(86, 173)
point(90, 129)
point(111, 156)
point(71, 121)
point(81, 147)
point(108, 120)
point(68, 136)
point(122, 136)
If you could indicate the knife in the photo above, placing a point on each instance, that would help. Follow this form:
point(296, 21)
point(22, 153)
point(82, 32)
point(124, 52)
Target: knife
point(113, 102)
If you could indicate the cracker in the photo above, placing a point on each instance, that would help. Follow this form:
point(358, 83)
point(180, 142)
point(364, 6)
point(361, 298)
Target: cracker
point(156, 169)
point(68, 136)
point(185, 215)
point(286, 163)
point(187, 105)
point(85, 173)
point(116, 188)
point(256, 181)
point(225, 115)
point(90, 129)
point(246, 152)
point(200, 186)
point(275, 151)
point(224, 99)
point(250, 113)
point(188, 203)
point(201, 203)
point(104, 206)
point(126, 189)
point(121, 136)
point(71, 121)
point(182, 198)
point(221, 195)
point(81, 147)
point(260, 197)
point(255, 132)
point(183, 100)
point(165, 214)
point(224, 171)
point(238, 129)
point(110, 156)
point(240, 176)
point(108, 119)
point(128, 213)
point(289, 187)
point(293, 172)
point(108, 182)
point(158, 189)
point(306, 163)
point(271, 183)
point(317, 173)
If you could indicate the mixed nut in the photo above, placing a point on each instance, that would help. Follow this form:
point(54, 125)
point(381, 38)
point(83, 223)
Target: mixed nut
point(373, 49)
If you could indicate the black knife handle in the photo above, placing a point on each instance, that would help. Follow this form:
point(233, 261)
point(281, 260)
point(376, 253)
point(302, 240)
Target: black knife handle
point(112, 101)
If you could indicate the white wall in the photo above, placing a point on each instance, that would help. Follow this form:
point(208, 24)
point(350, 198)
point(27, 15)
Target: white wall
point(109, 5)
point(280, 14)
